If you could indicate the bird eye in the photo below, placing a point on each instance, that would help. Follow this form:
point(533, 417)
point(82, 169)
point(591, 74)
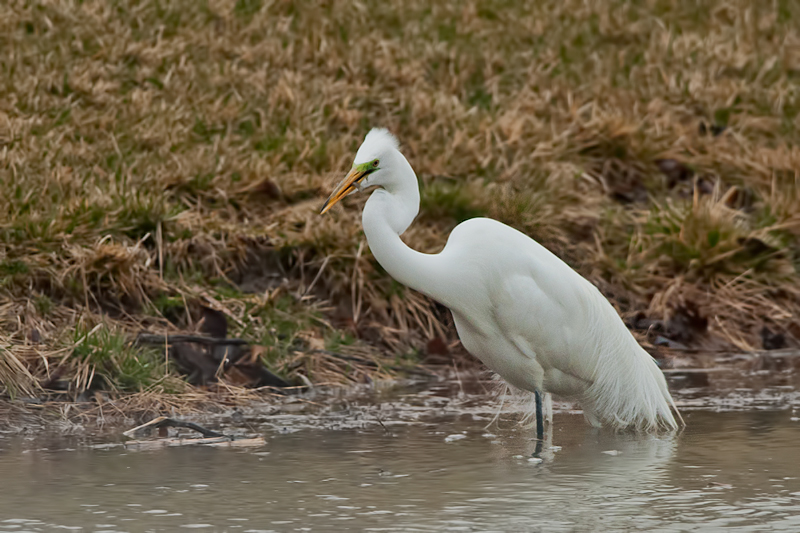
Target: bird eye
point(375, 163)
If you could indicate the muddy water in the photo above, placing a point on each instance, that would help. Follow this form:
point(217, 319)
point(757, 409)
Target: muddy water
point(428, 465)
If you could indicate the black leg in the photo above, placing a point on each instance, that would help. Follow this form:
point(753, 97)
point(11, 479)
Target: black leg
point(539, 417)
point(537, 449)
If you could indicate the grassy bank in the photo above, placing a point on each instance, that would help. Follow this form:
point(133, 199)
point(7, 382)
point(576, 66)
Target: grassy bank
point(160, 157)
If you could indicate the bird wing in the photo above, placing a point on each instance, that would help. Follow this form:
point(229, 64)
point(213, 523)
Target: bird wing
point(545, 312)
point(527, 295)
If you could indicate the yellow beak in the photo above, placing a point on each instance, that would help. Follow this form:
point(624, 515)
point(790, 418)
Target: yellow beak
point(345, 187)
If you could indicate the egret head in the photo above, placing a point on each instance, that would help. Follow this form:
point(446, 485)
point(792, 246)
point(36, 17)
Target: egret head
point(370, 167)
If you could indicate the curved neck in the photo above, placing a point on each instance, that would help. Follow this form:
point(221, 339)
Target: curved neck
point(387, 214)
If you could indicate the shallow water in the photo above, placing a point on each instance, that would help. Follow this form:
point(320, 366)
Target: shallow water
point(428, 465)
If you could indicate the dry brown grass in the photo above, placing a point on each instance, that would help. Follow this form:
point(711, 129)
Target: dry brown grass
point(158, 155)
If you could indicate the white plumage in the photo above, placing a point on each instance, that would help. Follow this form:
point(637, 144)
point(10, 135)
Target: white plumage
point(517, 307)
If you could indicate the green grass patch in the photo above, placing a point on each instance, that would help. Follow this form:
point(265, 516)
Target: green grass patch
point(111, 361)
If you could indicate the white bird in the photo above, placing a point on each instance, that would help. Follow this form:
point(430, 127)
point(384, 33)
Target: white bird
point(517, 307)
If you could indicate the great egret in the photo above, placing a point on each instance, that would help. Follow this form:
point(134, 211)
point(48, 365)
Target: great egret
point(517, 307)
